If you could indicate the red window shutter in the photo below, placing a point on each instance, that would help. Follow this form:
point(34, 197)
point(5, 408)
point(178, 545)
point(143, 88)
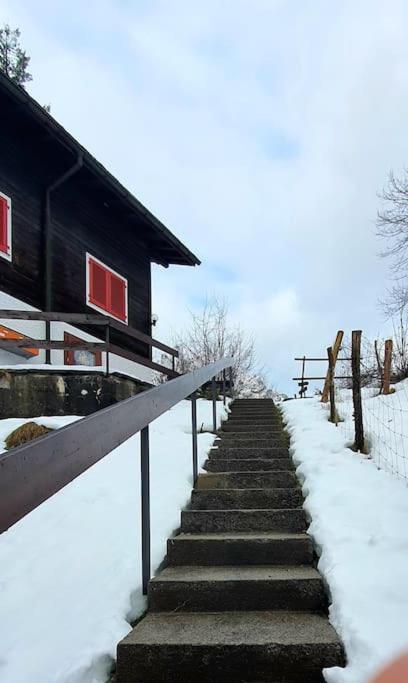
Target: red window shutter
point(98, 284)
point(107, 290)
point(118, 297)
point(4, 246)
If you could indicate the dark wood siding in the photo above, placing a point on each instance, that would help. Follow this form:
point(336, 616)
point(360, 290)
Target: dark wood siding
point(83, 223)
point(20, 179)
point(84, 219)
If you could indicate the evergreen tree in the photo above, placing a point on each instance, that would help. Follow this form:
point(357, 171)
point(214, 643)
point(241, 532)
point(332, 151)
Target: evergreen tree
point(13, 60)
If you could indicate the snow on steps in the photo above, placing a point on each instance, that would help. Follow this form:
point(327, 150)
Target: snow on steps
point(213, 610)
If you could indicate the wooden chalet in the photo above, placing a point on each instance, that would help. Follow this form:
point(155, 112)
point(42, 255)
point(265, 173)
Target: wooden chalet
point(73, 240)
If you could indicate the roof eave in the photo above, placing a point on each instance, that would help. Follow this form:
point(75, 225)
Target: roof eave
point(184, 255)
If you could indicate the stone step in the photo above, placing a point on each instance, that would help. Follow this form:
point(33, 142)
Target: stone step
point(250, 427)
point(191, 589)
point(251, 401)
point(242, 451)
point(251, 440)
point(251, 434)
point(246, 480)
point(240, 548)
point(218, 464)
point(253, 406)
point(208, 647)
point(258, 424)
point(235, 407)
point(233, 442)
point(250, 405)
point(253, 420)
point(248, 410)
point(209, 521)
point(246, 499)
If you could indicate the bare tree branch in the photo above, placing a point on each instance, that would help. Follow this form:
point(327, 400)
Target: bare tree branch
point(211, 337)
point(392, 221)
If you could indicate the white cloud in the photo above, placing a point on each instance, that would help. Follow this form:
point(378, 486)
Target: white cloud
point(188, 102)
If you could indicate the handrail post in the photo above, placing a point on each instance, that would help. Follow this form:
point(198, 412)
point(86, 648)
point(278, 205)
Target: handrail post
point(359, 442)
point(231, 384)
point(223, 387)
point(194, 435)
point(107, 340)
point(214, 403)
point(48, 338)
point(145, 498)
point(330, 375)
point(302, 392)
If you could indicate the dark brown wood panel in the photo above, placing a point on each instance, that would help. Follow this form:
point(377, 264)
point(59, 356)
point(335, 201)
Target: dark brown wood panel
point(84, 218)
point(20, 180)
point(82, 223)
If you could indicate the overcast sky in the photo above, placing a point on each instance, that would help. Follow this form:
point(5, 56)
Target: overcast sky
point(259, 131)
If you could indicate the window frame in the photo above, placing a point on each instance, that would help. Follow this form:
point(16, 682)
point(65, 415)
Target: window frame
point(69, 354)
point(8, 255)
point(88, 290)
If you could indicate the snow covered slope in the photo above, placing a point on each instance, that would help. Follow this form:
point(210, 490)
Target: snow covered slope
point(70, 578)
point(360, 527)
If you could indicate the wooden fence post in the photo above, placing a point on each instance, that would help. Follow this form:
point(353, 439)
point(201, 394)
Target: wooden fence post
point(356, 372)
point(387, 367)
point(336, 349)
point(380, 370)
point(333, 413)
point(302, 384)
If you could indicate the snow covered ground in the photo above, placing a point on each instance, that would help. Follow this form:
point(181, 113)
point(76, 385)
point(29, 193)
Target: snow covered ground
point(70, 579)
point(360, 527)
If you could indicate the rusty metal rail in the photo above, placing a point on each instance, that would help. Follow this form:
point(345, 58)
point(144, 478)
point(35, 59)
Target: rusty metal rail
point(32, 473)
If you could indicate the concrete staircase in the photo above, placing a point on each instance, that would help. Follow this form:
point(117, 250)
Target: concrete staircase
point(240, 599)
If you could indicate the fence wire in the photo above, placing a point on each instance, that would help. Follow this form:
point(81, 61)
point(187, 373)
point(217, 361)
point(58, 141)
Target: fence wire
point(385, 417)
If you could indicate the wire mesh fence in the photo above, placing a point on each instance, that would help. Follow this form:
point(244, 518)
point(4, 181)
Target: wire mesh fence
point(384, 405)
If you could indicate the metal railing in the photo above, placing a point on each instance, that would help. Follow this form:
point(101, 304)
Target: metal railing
point(84, 320)
point(33, 472)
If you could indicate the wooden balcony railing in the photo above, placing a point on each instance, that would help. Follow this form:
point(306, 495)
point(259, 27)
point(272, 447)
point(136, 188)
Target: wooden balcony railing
point(84, 320)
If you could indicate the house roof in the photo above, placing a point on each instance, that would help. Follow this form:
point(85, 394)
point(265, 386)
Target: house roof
point(167, 248)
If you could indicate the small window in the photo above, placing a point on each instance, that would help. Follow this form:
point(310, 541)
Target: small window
point(5, 226)
point(106, 289)
point(80, 356)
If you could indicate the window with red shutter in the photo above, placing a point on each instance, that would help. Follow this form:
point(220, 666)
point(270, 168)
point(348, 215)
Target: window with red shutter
point(106, 289)
point(118, 296)
point(5, 227)
point(98, 284)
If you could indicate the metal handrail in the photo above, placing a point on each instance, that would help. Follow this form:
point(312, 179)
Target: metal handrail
point(89, 319)
point(33, 472)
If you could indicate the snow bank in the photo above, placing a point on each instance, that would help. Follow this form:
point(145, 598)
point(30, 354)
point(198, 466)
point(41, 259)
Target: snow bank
point(360, 528)
point(70, 578)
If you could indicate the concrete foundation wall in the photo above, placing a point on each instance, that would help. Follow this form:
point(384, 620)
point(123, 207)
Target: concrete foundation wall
point(32, 393)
